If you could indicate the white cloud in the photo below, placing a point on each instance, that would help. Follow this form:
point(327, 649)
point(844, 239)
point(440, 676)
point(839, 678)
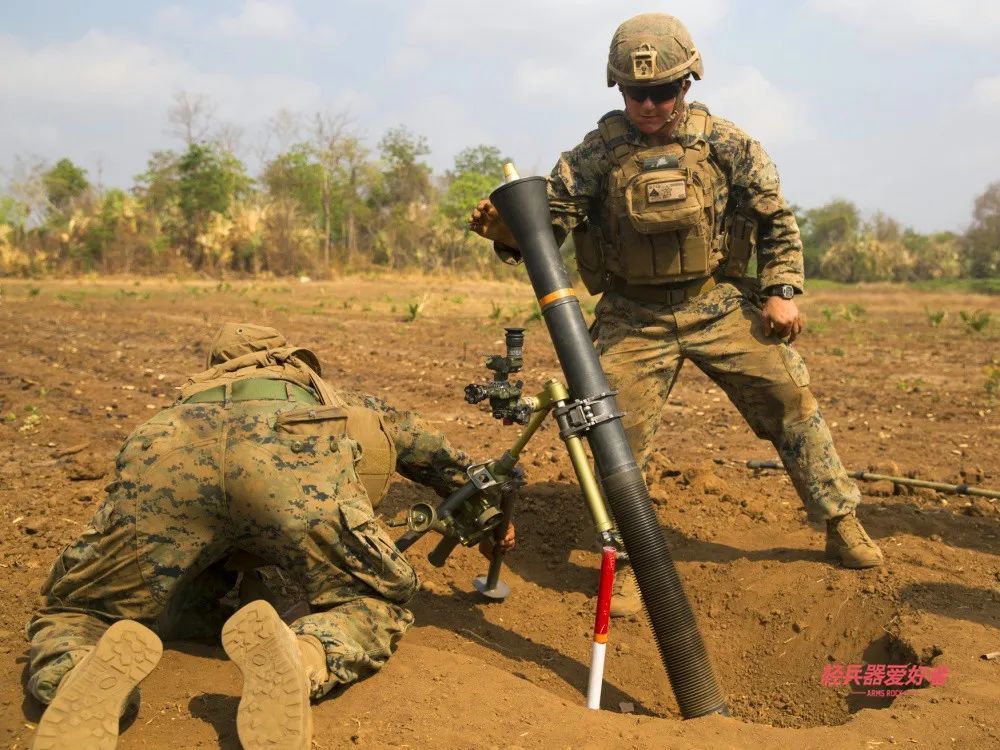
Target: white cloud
point(986, 94)
point(264, 19)
point(408, 60)
point(918, 20)
point(173, 18)
point(353, 103)
point(555, 49)
point(744, 95)
point(560, 28)
point(106, 97)
point(448, 122)
point(97, 68)
point(100, 71)
point(546, 67)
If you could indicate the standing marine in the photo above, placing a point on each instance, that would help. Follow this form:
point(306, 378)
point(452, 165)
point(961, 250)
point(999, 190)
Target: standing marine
point(667, 204)
point(259, 463)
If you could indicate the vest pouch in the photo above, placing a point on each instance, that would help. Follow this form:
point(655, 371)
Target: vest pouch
point(378, 451)
point(663, 200)
point(308, 421)
point(740, 243)
point(589, 258)
point(667, 236)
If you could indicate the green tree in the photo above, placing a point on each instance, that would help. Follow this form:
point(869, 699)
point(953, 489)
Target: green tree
point(356, 179)
point(981, 244)
point(935, 256)
point(406, 178)
point(884, 228)
point(208, 180)
point(832, 223)
point(158, 184)
point(483, 160)
point(13, 213)
point(187, 190)
point(462, 195)
point(295, 175)
point(865, 258)
point(478, 170)
point(64, 183)
point(346, 181)
point(402, 200)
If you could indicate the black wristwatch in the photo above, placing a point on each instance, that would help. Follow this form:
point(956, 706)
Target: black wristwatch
point(785, 291)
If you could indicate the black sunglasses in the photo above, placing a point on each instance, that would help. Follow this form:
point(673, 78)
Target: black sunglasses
point(657, 94)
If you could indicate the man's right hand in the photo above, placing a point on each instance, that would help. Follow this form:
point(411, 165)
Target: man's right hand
point(486, 222)
point(507, 543)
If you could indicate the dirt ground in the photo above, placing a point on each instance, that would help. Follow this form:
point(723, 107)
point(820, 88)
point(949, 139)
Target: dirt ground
point(85, 361)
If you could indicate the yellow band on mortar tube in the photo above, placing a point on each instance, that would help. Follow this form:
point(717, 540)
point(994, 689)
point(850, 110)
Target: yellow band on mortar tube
point(551, 297)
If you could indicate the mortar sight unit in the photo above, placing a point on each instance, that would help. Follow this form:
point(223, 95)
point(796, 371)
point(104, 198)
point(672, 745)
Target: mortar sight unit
point(504, 395)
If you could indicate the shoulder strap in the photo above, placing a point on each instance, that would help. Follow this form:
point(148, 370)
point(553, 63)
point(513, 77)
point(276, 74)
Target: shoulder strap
point(701, 120)
point(699, 128)
point(613, 128)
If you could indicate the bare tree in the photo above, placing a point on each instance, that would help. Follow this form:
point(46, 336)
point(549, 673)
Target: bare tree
point(284, 129)
point(191, 117)
point(280, 133)
point(229, 137)
point(27, 187)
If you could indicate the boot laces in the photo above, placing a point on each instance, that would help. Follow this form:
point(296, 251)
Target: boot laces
point(625, 581)
point(850, 530)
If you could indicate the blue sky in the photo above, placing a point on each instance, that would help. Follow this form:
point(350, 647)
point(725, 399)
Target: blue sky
point(893, 104)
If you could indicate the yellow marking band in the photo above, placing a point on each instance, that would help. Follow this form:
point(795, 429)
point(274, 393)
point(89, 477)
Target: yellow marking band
point(600, 637)
point(551, 297)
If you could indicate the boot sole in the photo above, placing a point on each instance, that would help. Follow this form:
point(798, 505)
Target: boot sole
point(84, 714)
point(861, 565)
point(274, 710)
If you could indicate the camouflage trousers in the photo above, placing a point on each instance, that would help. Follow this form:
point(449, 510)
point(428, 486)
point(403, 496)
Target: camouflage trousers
point(200, 482)
point(642, 347)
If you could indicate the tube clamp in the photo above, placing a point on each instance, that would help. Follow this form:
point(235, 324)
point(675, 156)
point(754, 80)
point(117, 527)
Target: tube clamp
point(578, 417)
point(480, 476)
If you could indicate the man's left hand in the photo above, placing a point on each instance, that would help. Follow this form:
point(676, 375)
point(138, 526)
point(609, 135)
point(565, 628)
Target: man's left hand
point(782, 318)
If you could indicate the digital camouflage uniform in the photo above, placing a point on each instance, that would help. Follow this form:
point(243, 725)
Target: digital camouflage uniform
point(664, 224)
point(643, 343)
point(272, 473)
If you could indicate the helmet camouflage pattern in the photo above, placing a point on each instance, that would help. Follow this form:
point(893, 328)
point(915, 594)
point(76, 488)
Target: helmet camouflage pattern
point(651, 49)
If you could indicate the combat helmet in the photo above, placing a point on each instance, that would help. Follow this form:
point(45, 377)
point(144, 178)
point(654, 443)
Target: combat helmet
point(652, 49)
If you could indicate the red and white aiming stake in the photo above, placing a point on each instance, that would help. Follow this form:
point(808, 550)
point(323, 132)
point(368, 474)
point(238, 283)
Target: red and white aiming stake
point(601, 628)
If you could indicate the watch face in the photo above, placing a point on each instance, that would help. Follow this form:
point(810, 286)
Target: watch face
point(785, 291)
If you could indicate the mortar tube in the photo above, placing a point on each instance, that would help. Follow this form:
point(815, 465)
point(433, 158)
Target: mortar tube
point(524, 207)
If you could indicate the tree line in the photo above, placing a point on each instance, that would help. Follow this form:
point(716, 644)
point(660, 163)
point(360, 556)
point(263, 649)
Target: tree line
point(839, 244)
point(324, 202)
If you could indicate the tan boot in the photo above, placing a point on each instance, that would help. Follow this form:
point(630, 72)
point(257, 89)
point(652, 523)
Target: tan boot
point(274, 710)
point(847, 540)
point(625, 598)
point(93, 695)
point(314, 660)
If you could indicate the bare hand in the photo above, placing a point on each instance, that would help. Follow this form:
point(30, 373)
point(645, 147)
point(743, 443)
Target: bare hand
point(782, 318)
point(486, 222)
point(506, 544)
